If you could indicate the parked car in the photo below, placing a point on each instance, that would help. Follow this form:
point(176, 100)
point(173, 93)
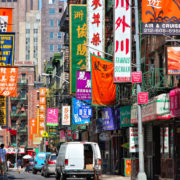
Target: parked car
point(49, 166)
point(39, 161)
point(78, 160)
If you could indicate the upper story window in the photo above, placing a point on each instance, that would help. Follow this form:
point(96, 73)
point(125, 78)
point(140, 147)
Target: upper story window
point(59, 47)
point(35, 31)
point(51, 22)
point(51, 35)
point(3, 0)
point(58, 22)
point(23, 77)
point(51, 47)
point(51, 11)
point(59, 35)
point(27, 31)
point(51, 1)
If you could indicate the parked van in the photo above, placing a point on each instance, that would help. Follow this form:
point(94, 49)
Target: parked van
point(78, 160)
point(39, 161)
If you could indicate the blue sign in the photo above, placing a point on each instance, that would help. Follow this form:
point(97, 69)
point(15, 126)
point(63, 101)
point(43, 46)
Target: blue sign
point(85, 111)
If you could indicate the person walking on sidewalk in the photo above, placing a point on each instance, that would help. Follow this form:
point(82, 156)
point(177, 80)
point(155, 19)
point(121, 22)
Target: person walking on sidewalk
point(8, 164)
point(19, 165)
point(3, 160)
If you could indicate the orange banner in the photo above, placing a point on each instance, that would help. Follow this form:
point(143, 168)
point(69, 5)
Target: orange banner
point(33, 128)
point(103, 89)
point(6, 19)
point(42, 92)
point(8, 81)
point(42, 108)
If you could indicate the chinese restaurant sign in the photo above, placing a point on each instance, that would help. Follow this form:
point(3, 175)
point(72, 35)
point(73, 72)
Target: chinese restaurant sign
point(3, 111)
point(6, 19)
point(125, 114)
point(143, 97)
point(83, 90)
point(52, 117)
point(161, 17)
point(76, 119)
point(78, 38)
point(173, 60)
point(174, 97)
point(8, 81)
point(32, 128)
point(137, 77)
point(103, 88)
point(133, 139)
point(96, 27)
point(66, 115)
point(122, 41)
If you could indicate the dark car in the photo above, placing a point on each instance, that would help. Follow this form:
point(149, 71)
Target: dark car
point(49, 166)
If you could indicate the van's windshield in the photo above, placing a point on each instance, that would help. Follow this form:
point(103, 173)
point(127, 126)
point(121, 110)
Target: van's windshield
point(41, 156)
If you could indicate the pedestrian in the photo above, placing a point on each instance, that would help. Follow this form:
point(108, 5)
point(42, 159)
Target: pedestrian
point(19, 165)
point(3, 160)
point(8, 164)
point(27, 166)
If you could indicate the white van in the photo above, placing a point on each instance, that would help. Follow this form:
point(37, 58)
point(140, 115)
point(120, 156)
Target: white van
point(78, 160)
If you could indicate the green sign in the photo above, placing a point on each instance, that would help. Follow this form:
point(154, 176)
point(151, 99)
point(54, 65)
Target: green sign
point(125, 116)
point(78, 38)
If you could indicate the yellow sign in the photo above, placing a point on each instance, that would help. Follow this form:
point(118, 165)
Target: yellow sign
point(2, 111)
point(44, 134)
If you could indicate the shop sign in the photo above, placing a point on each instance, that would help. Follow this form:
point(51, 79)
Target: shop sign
point(104, 137)
point(137, 77)
point(12, 150)
point(174, 97)
point(36, 139)
point(85, 112)
point(143, 97)
point(62, 136)
point(133, 140)
point(66, 115)
point(125, 116)
point(127, 167)
point(52, 117)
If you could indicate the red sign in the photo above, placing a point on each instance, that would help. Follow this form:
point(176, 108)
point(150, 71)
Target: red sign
point(137, 77)
point(174, 97)
point(142, 97)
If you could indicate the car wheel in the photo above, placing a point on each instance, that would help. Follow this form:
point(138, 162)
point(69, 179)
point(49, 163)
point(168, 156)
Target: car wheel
point(57, 176)
point(62, 177)
point(34, 171)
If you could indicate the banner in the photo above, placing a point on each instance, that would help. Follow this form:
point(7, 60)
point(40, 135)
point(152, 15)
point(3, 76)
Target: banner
point(8, 81)
point(33, 128)
point(3, 111)
point(173, 60)
point(7, 44)
point(36, 139)
point(78, 38)
point(52, 117)
point(103, 89)
point(66, 115)
point(76, 119)
point(161, 17)
point(83, 90)
point(6, 19)
point(122, 41)
point(125, 113)
point(96, 29)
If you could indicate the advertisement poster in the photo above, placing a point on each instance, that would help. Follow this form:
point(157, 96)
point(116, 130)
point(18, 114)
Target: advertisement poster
point(78, 38)
point(161, 17)
point(83, 90)
point(52, 117)
point(66, 115)
point(133, 139)
point(76, 119)
point(122, 41)
point(103, 88)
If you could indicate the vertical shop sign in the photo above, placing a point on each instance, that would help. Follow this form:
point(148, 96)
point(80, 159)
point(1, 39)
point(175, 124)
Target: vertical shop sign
point(66, 115)
point(96, 29)
point(2, 111)
point(52, 117)
point(161, 17)
point(122, 41)
point(78, 38)
point(7, 47)
point(103, 88)
point(143, 97)
point(125, 114)
point(133, 139)
point(33, 128)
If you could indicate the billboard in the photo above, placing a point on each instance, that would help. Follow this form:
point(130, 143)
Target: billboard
point(161, 17)
point(96, 29)
point(78, 38)
point(52, 117)
point(122, 41)
point(7, 44)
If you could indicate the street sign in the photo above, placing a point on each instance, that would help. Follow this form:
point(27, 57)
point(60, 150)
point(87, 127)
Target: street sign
point(44, 134)
point(85, 112)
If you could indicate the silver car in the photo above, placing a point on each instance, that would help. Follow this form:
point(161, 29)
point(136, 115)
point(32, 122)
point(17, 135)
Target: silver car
point(49, 166)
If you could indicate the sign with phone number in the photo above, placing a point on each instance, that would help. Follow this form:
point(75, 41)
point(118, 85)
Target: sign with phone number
point(12, 150)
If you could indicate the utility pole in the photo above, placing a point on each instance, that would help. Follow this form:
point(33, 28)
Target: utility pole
point(141, 173)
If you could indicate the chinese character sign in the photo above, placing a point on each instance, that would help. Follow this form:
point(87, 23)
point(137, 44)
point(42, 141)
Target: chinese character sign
point(7, 44)
point(122, 41)
point(8, 81)
point(2, 111)
point(66, 115)
point(6, 20)
point(133, 139)
point(103, 88)
point(33, 128)
point(161, 17)
point(96, 27)
point(52, 117)
point(83, 90)
point(78, 38)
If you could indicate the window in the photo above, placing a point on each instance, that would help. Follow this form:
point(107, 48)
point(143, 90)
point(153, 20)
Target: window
point(51, 1)
point(59, 47)
point(51, 11)
point(3, 0)
point(13, 108)
point(14, 0)
point(27, 57)
point(8, 0)
point(59, 35)
point(35, 39)
point(58, 22)
point(23, 93)
point(51, 35)
point(27, 31)
point(51, 22)
point(51, 47)
point(35, 31)
point(23, 76)
point(60, 10)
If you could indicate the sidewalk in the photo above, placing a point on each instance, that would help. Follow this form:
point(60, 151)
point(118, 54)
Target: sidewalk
point(114, 177)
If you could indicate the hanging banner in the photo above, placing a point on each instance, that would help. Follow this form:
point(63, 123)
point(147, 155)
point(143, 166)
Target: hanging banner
point(161, 17)
point(52, 117)
point(42, 92)
point(76, 118)
point(103, 88)
point(96, 29)
point(33, 128)
point(6, 19)
point(2, 111)
point(122, 41)
point(66, 115)
point(83, 90)
point(8, 81)
point(173, 60)
point(7, 44)
point(78, 38)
